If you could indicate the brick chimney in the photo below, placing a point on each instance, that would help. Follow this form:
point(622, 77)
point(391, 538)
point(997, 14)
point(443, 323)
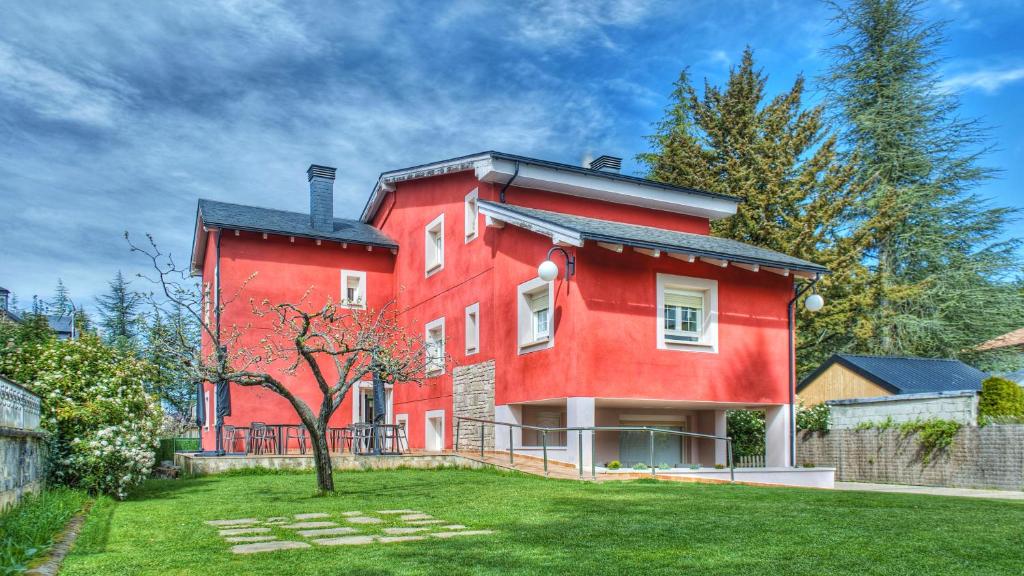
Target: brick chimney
point(321, 197)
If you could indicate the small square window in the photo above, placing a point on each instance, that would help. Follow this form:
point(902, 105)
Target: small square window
point(353, 289)
point(434, 245)
point(434, 345)
point(536, 329)
point(472, 215)
point(472, 329)
point(687, 310)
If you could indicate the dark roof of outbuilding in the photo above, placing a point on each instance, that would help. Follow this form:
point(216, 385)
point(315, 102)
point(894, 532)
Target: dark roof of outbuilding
point(252, 218)
point(60, 324)
point(659, 238)
point(902, 375)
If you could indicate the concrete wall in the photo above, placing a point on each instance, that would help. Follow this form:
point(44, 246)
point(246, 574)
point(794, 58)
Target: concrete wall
point(961, 407)
point(21, 444)
point(989, 457)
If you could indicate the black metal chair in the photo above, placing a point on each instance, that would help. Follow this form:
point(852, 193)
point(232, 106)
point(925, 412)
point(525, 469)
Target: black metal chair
point(362, 438)
point(230, 435)
point(262, 438)
point(401, 440)
point(298, 433)
point(340, 439)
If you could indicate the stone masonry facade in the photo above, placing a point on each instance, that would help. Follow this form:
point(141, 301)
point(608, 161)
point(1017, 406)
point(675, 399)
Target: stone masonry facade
point(960, 407)
point(987, 457)
point(473, 396)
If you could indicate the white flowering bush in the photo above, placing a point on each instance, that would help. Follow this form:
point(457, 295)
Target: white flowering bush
point(105, 426)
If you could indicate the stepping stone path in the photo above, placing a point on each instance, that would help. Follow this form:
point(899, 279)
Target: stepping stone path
point(252, 535)
point(267, 546)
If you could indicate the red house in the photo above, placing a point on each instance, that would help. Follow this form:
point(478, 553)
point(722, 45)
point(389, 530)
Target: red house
point(648, 321)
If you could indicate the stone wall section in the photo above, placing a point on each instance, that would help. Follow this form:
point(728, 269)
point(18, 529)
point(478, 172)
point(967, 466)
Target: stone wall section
point(986, 457)
point(473, 396)
point(960, 407)
point(22, 446)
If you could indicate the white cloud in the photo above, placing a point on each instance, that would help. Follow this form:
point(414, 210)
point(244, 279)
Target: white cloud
point(987, 80)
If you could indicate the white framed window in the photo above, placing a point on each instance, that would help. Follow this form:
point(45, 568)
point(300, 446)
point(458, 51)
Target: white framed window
point(472, 328)
point(209, 410)
point(206, 303)
point(353, 289)
point(536, 315)
point(434, 245)
point(472, 215)
point(434, 344)
point(687, 313)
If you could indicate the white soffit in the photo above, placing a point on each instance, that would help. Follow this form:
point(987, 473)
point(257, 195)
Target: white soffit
point(499, 171)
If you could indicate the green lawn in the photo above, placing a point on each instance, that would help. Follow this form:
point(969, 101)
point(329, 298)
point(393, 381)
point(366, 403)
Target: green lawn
point(558, 527)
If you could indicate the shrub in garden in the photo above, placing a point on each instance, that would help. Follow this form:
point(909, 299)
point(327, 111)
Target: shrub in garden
point(1001, 397)
point(814, 418)
point(614, 465)
point(104, 426)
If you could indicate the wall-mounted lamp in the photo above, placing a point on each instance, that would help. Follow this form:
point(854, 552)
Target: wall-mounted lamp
point(548, 270)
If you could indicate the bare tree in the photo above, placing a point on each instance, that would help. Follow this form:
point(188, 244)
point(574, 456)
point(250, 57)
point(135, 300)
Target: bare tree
point(337, 346)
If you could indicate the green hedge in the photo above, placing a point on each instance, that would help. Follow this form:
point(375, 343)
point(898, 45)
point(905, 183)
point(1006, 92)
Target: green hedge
point(28, 529)
point(168, 446)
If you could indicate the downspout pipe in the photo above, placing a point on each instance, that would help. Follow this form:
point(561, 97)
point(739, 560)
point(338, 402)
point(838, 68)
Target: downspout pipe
point(501, 195)
point(791, 318)
point(218, 419)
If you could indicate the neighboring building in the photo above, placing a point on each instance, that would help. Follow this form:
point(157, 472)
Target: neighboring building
point(62, 325)
point(848, 376)
point(5, 311)
point(660, 323)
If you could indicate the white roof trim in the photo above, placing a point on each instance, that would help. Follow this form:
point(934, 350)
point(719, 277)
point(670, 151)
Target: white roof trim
point(556, 233)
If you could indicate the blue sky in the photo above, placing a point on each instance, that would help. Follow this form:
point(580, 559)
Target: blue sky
point(119, 117)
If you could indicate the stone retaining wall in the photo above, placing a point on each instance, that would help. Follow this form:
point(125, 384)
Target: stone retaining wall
point(960, 407)
point(473, 396)
point(22, 445)
point(200, 465)
point(988, 457)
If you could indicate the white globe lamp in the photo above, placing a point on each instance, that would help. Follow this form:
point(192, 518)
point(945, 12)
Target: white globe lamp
point(547, 270)
point(814, 302)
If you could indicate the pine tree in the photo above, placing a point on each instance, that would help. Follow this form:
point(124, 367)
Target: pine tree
point(119, 315)
point(61, 304)
point(168, 333)
point(938, 275)
point(798, 193)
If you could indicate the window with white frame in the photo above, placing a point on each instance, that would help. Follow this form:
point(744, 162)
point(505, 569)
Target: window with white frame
point(472, 328)
point(209, 410)
point(536, 315)
point(434, 243)
point(206, 303)
point(434, 347)
point(472, 215)
point(687, 313)
point(353, 289)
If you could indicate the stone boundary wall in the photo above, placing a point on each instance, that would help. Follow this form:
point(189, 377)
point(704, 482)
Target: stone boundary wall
point(473, 396)
point(987, 457)
point(200, 465)
point(960, 407)
point(22, 445)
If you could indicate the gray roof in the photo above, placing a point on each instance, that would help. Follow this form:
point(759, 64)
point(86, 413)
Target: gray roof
point(60, 324)
point(902, 375)
point(659, 238)
point(254, 219)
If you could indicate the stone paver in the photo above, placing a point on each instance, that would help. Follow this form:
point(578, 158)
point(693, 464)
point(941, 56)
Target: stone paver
point(327, 532)
point(406, 530)
point(424, 522)
point(307, 525)
point(454, 527)
point(345, 541)
point(461, 533)
point(232, 522)
point(418, 516)
point(364, 520)
point(250, 538)
point(387, 539)
point(398, 512)
point(241, 531)
point(352, 513)
point(267, 546)
point(311, 516)
point(278, 519)
point(932, 490)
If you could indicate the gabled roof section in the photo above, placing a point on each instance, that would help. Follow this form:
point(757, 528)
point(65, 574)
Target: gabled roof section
point(903, 375)
point(212, 214)
point(500, 168)
point(575, 230)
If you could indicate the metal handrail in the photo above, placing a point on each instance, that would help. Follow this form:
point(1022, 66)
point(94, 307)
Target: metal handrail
point(593, 445)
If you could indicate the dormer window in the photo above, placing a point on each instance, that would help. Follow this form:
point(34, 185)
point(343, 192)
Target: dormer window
point(434, 246)
point(353, 289)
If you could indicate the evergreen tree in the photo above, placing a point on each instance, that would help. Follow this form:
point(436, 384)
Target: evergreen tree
point(61, 304)
point(798, 193)
point(938, 274)
point(119, 315)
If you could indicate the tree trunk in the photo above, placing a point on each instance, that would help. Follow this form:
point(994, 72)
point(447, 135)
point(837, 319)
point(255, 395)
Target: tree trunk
point(322, 461)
